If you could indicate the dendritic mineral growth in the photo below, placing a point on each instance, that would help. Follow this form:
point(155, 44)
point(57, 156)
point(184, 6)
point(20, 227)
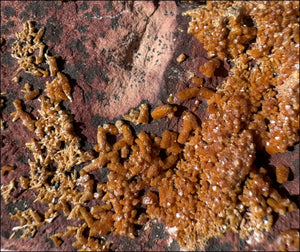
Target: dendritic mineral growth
point(201, 182)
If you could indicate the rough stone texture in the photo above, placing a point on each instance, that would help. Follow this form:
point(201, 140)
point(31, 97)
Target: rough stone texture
point(117, 55)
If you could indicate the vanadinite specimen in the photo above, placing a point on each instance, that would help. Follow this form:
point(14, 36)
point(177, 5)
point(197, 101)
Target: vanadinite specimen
point(121, 132)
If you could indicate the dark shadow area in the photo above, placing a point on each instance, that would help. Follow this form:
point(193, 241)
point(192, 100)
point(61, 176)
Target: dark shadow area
point(214, 244)
point(187, 5)
point(263, 160)
point(222, 71)
point(78, 126)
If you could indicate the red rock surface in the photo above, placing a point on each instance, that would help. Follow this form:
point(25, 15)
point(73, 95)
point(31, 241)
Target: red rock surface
point(117, 55)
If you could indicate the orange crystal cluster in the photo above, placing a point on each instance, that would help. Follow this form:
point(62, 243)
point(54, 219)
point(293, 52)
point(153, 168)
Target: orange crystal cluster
point(200, 182)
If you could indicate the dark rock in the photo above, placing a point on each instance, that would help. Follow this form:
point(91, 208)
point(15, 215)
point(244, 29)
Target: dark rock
point(20, 205)
point(96, 10)
point(7, 59)
point(82, 28)
point(83, 6)
point(80, 48)
point(53, 31)
point(37, 9)
point(8, 11)
point(158, 232)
